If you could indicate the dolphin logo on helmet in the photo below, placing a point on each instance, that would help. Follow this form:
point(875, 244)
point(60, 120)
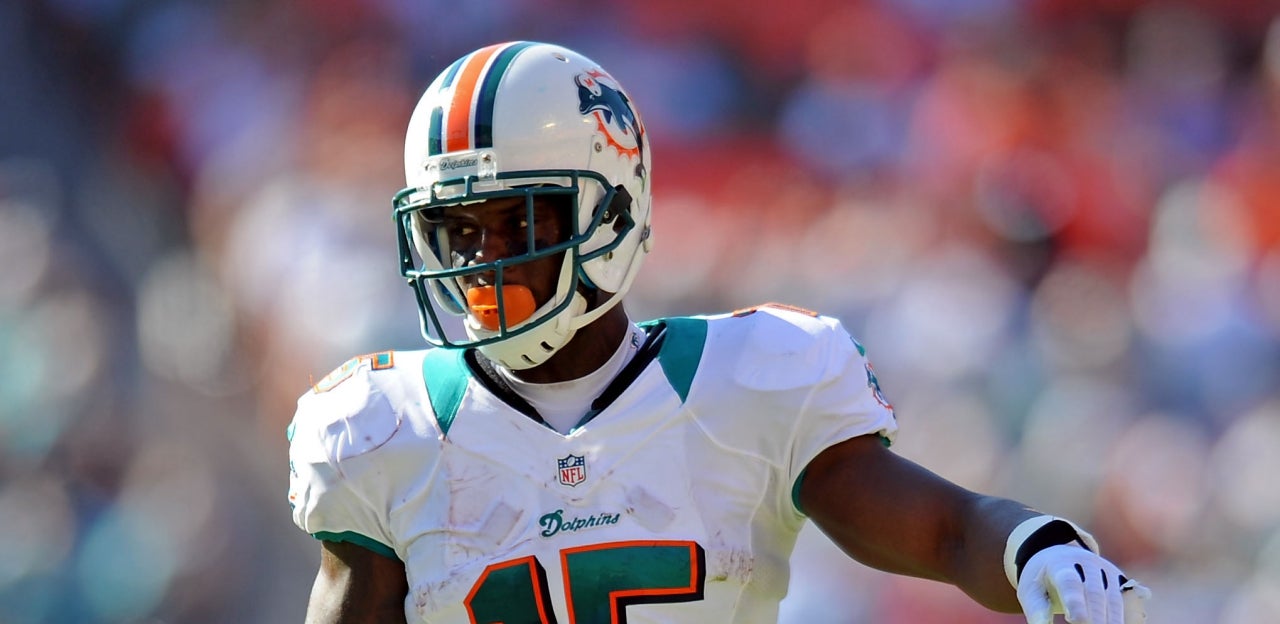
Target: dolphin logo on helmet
point(614, 114)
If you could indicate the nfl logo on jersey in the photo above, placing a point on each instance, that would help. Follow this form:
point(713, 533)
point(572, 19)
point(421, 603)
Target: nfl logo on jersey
point(572, 469)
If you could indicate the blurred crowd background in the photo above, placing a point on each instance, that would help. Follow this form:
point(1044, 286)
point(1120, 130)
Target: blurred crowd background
point(1055, 224)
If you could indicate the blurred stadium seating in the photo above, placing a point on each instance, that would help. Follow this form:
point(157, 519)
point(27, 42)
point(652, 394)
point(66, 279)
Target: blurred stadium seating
point(1054, 224)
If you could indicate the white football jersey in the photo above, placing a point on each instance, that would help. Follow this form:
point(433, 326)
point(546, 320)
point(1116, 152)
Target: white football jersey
point(674, 502)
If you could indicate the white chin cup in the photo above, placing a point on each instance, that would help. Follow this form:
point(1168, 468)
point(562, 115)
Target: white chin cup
point(538, 344)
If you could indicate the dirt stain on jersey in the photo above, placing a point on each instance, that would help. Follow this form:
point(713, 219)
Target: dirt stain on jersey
point(729, 565)
point(499, 523)
point(650, 512)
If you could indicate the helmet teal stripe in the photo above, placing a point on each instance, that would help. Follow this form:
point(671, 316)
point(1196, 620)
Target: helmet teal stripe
point(489, 91)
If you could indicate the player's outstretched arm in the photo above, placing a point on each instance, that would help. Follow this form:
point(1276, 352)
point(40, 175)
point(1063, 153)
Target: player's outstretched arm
point(892, 514)
point(895, 515)
point(356, 586)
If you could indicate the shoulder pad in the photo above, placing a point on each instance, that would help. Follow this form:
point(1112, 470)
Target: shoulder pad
point(346, 414)
point(784, 347)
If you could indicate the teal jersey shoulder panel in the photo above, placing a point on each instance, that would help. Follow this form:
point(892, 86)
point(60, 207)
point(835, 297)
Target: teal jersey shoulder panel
point(681, 350)
point(352, 537)
point(445, 374)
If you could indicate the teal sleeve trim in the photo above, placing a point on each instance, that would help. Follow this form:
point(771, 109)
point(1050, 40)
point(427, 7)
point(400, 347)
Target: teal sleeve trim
point(682, 351)
point(351, 537)
point(795, 491)
point(446, 376)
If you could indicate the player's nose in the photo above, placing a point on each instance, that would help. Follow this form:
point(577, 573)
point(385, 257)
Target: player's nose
point(498, 244)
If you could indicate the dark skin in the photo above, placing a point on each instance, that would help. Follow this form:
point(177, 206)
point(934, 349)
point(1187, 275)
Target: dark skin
point(497, 229)
point(356, 586)
point(894, 515)
point(881, 509)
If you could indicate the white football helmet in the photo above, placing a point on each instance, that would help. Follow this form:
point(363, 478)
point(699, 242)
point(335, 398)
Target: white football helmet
point(525, 119)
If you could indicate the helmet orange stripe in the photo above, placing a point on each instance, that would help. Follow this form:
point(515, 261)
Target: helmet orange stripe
point(458, 134)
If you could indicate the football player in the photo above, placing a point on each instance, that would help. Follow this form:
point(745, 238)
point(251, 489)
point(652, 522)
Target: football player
point(562, 463)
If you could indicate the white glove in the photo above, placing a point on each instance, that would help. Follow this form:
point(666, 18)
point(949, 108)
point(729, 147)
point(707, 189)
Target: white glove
point(1064, 574)
point(1085, 587)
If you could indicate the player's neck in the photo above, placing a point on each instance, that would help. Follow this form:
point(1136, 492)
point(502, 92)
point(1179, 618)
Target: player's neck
point(589, 349)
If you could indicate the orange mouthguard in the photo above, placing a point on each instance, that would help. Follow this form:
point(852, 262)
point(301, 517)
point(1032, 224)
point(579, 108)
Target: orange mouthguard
point(516, 299)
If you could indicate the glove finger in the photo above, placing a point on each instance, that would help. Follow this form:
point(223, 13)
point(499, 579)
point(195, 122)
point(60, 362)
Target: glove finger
point(1141, 591)
point(1115, 601)
point(1135, 596)
point(1068, 584)
point(1095, 594)
point(1035, 601)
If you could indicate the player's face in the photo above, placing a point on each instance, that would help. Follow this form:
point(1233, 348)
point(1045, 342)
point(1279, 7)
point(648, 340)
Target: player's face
point(498, 229)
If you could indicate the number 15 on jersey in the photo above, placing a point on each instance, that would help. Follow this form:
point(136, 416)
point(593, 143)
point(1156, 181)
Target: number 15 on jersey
point(600, 580)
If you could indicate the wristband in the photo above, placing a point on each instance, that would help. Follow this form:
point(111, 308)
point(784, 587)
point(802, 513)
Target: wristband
point(1036, 534)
